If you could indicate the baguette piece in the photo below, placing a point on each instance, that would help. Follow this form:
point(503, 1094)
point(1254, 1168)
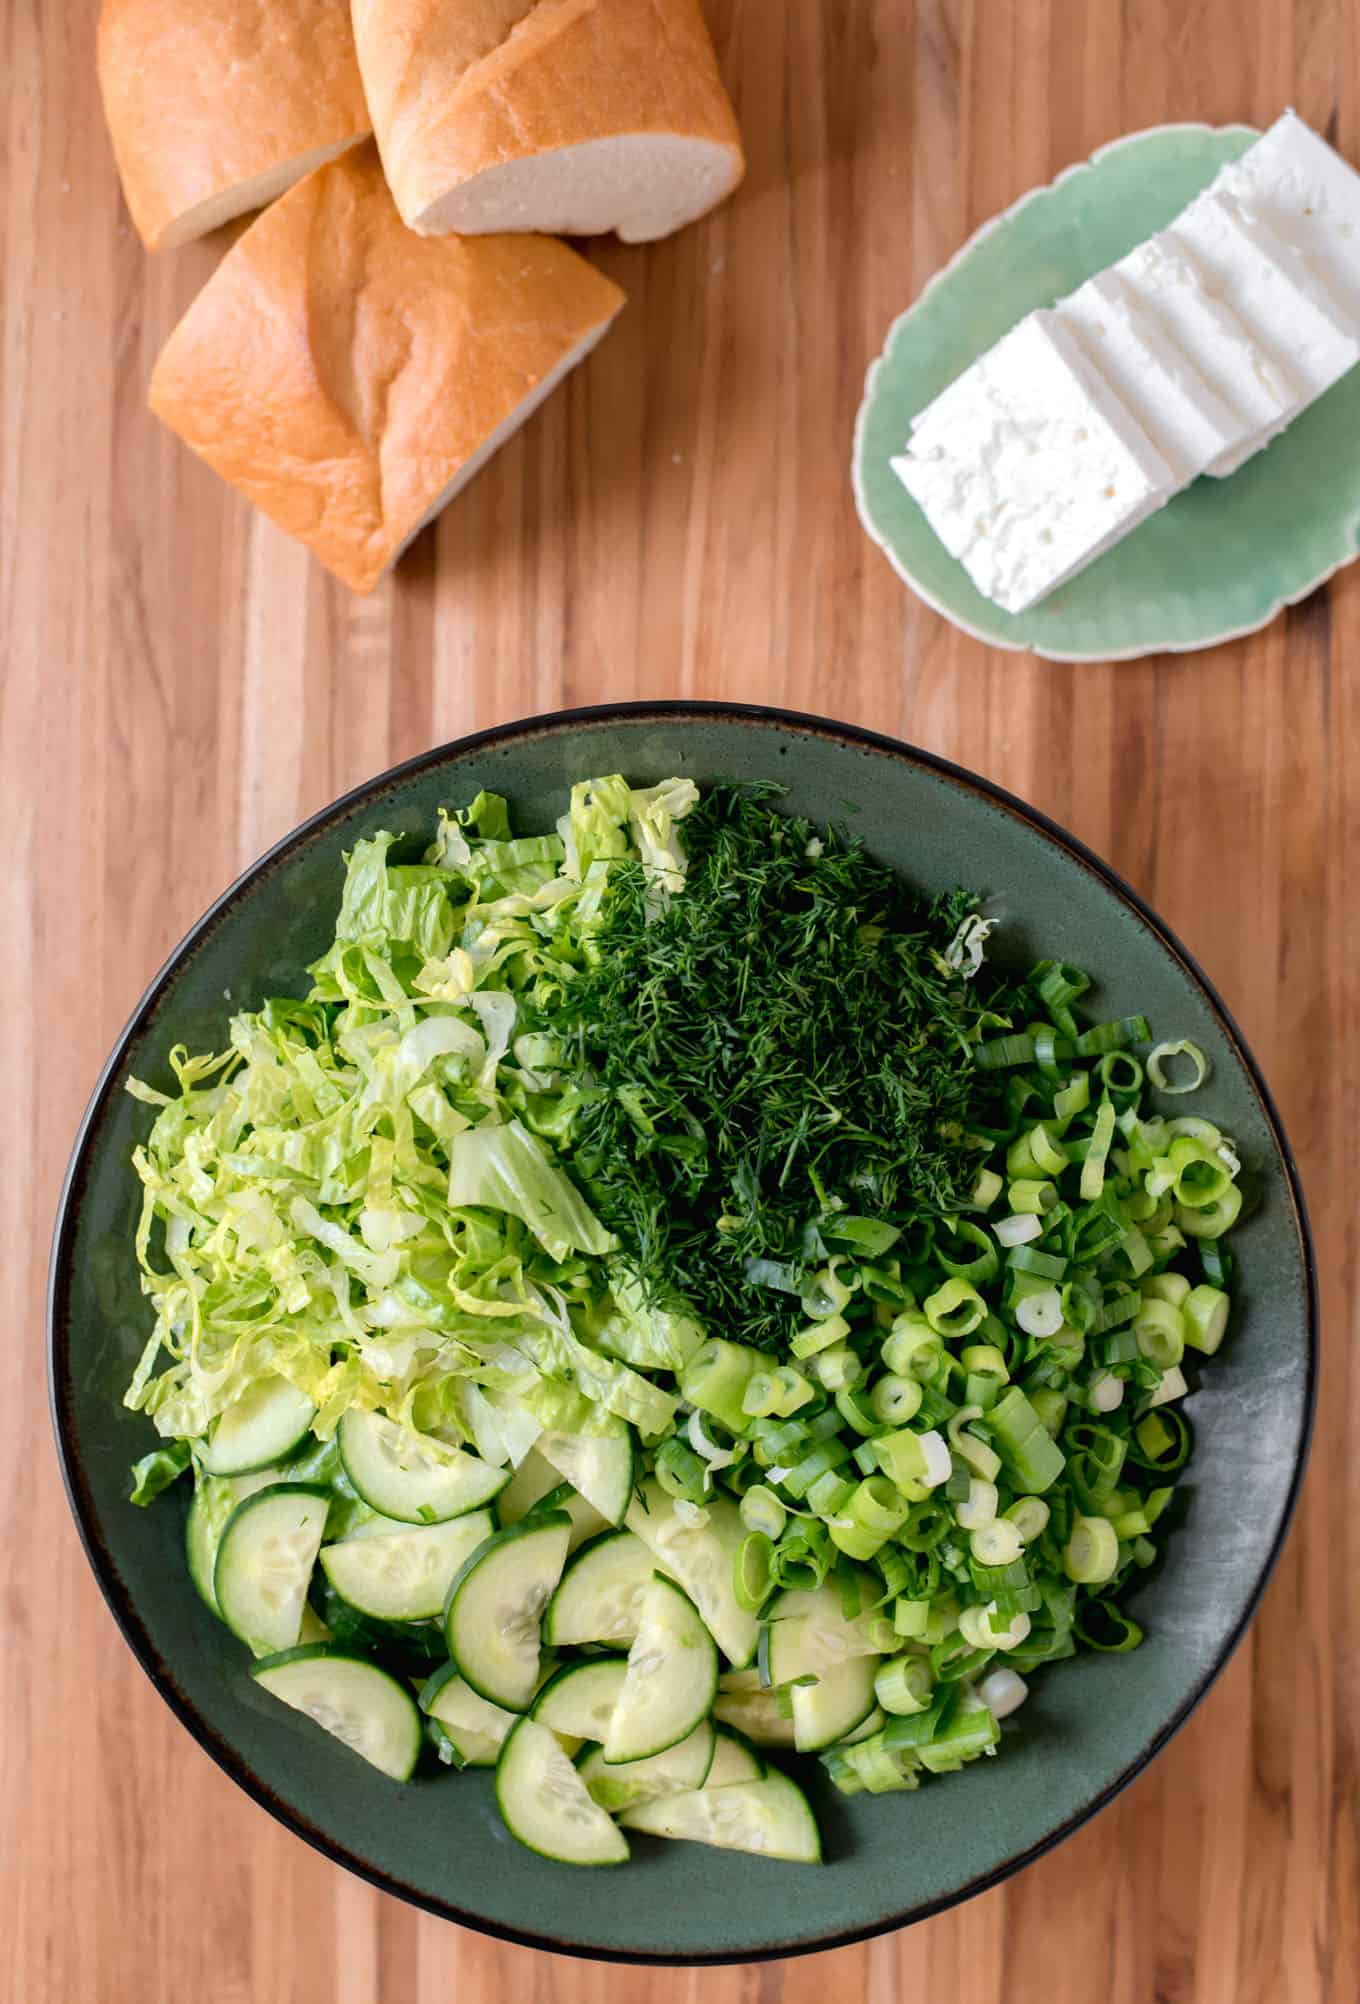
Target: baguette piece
point(217, 106)
point(350, 377)
point(570, 116)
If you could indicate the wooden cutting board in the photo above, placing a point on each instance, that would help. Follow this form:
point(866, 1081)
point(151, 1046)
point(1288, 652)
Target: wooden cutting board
point(180, 685)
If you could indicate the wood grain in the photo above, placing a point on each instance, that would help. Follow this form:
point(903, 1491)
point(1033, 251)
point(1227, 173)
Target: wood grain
point(180, 685)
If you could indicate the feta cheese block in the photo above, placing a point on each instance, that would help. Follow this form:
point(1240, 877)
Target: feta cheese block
point(1170, 286)
point(1310, 197)
point(1028, 467)
point(1283, 305)
point(1188, 422)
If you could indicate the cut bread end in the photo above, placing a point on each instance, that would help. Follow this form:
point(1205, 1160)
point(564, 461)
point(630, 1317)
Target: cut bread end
point(505, 430)
point(643, 185)
point(244, 197)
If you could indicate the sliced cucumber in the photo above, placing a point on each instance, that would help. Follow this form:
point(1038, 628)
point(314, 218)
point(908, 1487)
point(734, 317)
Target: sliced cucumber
point(672, 1677)
point(601, 1592)
point(496, 1605)
point(581, 1699)
point(215, 1498)
point(474, 1749)
point(621, 1785)
point(265, 1561)
point(733, 1760)
point(312, 1628)
point(808, 1635)
point(411, 1476)
point(406, 1574)
point(601, 1467)
point(755, 1714)
point(770, 1818)
point(840, 1700)
point(547, 1806)
point(536, 1478)
point(477, 1728)
point(262, 1427)
point(702, 1559)
point(350, 1698)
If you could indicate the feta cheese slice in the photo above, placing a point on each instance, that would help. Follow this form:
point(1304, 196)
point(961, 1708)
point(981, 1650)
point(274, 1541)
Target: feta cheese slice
point(1188, 422)
point(1169, 285)
point(1310, 197)
point(1028, 467)
point(1287, 311)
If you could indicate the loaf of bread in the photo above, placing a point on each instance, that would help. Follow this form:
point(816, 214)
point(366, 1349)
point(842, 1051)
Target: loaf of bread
point(569, 116)
point(350, 377)
point(217, 106)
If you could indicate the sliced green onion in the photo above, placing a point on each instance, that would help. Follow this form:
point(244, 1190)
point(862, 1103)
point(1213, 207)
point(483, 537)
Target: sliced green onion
point(1157, 1061)
point(986, 1190)
point(1102, 1625)
point(1040, 1314)
point(1093, 1167)
point(762, 1511)
point(915, 1462)
point(1091, 1554)
point(1050, 1409)
point(913, 1348)
point(1160, 1329)
point(997, 1543)
point(984, 1461)
point(1105, 1392)
point(1172, 1287)
point(837, 1369)
point(1030, 1515)
point(979, 1506)
point(1102, 1037)
point(1161, 1441)
point(827, 1294)
point(1205, 1313)
point(978, 1627)
point(1212, 1220)
point(821, 1335)
point(903, 1684)
point(1030, 1456)
point(984, 1263)
point(715, 1380)
point(1019, 1230)
point(753, 1576)
point(874, 1511)
point(896, 1400)
point(1031, 1197)
point(680, 1471)
point(829, 1494)
point(956, 1309)
point(856, 1409)
point(1042, 1265)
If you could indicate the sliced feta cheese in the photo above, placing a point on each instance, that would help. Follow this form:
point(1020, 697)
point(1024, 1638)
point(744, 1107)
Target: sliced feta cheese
point(1309, 196)
point(1188, 422)
point(1028, 467)
point(1287, 311)
point(1171, 287)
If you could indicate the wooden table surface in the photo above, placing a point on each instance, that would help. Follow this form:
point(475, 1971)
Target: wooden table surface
point(180, 685)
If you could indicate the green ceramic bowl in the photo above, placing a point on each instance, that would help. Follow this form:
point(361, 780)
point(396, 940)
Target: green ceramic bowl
point(1225, 555)
point(1090, 1725)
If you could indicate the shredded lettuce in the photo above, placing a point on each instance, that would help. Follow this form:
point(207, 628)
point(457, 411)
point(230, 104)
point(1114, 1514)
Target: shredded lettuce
point(362, 1191)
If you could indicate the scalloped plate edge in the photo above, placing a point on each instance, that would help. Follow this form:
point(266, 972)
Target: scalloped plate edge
point(880, 362)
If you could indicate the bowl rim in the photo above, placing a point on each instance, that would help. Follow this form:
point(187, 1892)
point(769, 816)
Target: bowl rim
point(119, 1598)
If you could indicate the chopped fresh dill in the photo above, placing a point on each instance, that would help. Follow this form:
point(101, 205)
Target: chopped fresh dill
point(783, 1041)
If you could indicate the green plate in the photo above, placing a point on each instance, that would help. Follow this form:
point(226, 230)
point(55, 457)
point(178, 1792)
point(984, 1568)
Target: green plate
point(1090, 1725)
point(1225, 555)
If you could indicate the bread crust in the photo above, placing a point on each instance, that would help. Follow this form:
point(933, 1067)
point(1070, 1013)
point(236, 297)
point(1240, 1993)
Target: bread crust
point(342, 372)
point(457, 90)
point(204, 97)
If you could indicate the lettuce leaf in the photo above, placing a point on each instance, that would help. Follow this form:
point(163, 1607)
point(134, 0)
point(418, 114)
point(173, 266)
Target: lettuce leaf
point(360, 1190)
